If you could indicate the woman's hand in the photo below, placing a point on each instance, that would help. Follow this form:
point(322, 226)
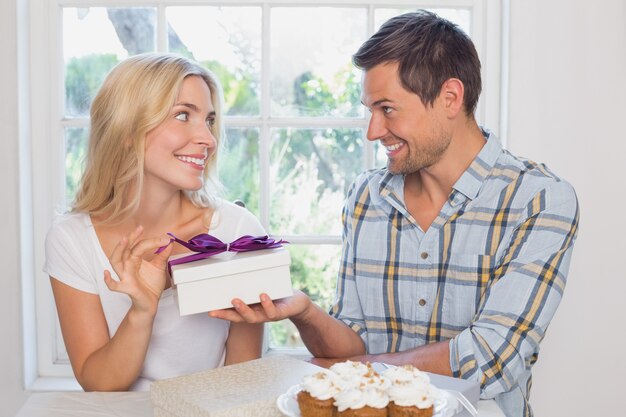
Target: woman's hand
point(267, 310)
point(143, 281)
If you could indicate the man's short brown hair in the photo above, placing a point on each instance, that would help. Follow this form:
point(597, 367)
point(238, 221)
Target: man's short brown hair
point(429, 50)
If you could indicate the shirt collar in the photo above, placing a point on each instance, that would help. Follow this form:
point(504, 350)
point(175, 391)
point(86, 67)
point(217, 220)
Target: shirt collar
point(471, 181)
point(468, 184)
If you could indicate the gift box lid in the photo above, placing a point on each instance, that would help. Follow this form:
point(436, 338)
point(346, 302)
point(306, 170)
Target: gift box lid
point(228, 263)
point(241, 390)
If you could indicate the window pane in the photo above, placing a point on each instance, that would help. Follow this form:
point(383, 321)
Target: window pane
point(227, 40)
point(459, 16)
point(239, 167)
point(75, 153)
point(94, 40)
point(312, 74)
point(311, 170)
point(314, 271)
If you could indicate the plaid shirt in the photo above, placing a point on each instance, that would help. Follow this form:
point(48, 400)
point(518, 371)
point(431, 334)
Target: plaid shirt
point(488, 274)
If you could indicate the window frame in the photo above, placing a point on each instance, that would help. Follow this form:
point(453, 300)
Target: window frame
point(47, 193)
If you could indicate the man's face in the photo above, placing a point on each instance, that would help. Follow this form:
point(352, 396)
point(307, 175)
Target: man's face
point(414, 135)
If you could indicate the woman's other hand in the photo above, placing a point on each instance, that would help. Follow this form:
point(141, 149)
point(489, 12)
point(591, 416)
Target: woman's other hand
point(143, 281)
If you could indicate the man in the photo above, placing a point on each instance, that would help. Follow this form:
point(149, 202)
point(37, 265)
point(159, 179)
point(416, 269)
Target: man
point(455, 255)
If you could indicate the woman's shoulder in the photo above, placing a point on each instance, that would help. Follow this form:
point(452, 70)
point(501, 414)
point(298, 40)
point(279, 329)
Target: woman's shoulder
point(70, 224)
point(232, 217)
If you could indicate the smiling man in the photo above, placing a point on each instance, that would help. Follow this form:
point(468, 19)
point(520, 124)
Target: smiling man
point(455, 255)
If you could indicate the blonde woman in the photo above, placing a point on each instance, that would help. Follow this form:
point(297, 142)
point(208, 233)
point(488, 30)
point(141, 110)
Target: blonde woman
point(154, 135)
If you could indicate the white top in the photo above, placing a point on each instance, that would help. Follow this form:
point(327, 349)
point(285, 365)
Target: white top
point(179, 345)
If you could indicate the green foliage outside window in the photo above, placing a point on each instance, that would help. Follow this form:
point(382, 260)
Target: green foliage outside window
point(308, 166)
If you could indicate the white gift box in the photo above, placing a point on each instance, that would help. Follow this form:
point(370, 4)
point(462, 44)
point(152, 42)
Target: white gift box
point(211, 283)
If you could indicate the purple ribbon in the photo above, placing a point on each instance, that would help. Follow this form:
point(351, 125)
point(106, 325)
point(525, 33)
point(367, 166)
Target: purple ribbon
point(206, 246)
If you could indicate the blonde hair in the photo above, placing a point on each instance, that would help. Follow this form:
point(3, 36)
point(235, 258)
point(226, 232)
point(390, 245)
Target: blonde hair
point(137, 96)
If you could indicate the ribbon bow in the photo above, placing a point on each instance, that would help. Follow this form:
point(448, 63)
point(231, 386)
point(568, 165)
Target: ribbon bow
point(206, 246)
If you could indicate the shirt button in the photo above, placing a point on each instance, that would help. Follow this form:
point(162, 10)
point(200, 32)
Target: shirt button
point(422, 302)
point(424, 255)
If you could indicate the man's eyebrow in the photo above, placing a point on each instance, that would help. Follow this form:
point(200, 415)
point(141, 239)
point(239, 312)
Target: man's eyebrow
point(377, 102)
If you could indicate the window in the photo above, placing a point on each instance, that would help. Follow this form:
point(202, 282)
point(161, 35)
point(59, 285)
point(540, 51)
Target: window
point(295, 126)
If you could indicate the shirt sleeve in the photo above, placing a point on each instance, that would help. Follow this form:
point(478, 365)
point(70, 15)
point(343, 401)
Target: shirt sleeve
point(347, 307)
point(502, 342)
point(65, 261)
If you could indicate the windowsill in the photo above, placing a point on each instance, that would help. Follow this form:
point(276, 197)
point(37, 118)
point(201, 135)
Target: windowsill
point(49, 383)
point(298, 353)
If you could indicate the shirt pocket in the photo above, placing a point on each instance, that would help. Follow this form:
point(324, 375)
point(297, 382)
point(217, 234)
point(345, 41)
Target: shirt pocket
point(464, 279)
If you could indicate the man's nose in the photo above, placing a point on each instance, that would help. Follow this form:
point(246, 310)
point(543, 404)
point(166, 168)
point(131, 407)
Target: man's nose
point(376, 128)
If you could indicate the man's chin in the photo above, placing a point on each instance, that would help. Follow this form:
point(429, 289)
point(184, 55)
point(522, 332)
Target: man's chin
point(395, 169)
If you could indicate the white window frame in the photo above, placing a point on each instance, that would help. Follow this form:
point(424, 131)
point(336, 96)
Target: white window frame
point(44, 369)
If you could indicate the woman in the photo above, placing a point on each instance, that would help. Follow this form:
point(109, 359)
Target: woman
point(154, 134)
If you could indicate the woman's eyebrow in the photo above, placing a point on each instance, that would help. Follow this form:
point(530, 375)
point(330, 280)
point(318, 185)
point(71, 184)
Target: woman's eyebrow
point(193, 107)
point(188, 105)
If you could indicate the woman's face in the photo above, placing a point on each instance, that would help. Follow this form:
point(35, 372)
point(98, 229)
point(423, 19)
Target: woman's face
point(177, 150)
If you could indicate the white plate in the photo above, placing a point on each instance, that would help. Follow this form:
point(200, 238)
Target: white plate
point(287, 403)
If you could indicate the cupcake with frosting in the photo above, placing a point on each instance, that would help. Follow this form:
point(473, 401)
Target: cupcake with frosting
point(350, 369)
point(361, 394)
point(316, 397)
point(410, 392)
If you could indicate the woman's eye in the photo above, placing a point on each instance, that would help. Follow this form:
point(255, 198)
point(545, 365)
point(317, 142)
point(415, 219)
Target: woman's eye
point(183, 116)
point(210, 122)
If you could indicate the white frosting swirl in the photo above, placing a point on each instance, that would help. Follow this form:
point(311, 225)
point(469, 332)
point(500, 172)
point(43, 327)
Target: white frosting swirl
point(349, 369)
point(358, 391)
point(410, 387)
point(320, 385)
point(406, 373)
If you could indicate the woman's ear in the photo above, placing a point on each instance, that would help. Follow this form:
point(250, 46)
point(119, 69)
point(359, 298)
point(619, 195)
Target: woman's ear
point(452, 92)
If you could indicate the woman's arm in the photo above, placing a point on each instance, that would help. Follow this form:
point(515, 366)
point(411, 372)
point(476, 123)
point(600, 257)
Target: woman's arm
point(101, 362)
point(244, 343)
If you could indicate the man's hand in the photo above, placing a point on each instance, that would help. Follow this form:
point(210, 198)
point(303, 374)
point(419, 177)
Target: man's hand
point(296, 306)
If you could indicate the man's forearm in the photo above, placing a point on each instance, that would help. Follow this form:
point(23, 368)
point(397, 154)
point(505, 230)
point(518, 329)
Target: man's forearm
point(434, 357)
point(326, 336)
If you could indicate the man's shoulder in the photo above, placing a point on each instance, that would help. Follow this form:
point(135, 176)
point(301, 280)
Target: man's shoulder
point(531, 178)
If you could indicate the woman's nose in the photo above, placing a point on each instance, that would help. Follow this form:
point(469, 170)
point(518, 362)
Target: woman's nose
point(204, 136)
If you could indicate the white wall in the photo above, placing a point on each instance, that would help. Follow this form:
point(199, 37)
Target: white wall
point(568, 95)
point(567, 109)
point(11, 392)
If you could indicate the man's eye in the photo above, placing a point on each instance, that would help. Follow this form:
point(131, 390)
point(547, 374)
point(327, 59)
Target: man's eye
point(386, 109)
point(183, 116)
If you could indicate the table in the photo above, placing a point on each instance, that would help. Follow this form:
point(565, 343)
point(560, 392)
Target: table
point(127, 404)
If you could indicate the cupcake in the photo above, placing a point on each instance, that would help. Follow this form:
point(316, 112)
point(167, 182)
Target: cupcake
point(410, 392)
point(350, 369)
point(361, 394)
point(316, 397)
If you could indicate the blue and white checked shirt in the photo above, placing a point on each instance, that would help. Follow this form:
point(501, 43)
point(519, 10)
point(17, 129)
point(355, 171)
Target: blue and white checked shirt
point(488, 274)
